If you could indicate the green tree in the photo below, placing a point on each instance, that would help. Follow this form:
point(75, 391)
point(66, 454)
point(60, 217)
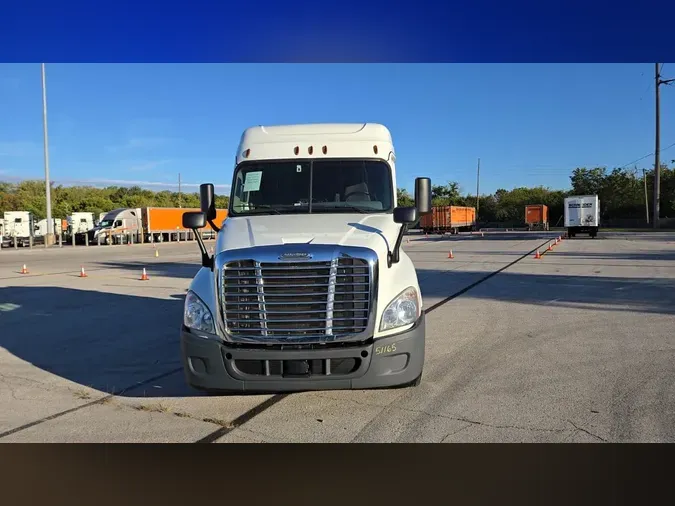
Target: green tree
point(403, 198)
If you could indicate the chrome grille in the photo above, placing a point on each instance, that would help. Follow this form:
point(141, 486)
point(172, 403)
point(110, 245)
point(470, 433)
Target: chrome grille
point(298, 300)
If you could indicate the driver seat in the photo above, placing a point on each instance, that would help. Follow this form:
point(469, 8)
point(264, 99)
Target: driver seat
point(360, 193)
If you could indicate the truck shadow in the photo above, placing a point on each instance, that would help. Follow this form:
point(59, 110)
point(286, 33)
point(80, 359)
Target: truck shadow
point(662, 255)
point(599, 293)
point(487, 236)
point(105, 341)
point(181, 270)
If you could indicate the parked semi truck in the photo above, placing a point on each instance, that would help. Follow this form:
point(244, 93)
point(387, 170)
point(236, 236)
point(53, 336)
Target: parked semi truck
point(582, 215)
point(41, 229)
point(536, 217)
point(19, 225)
point(80, 223)
point(150, 224)
point(452, 219)
point(308, 287)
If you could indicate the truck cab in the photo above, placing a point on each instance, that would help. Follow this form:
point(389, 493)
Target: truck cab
point(116, 225)
point(308, 287)
point(18, 226)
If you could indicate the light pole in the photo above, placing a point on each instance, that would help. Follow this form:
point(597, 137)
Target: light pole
point(49, 239)
point(657, 148)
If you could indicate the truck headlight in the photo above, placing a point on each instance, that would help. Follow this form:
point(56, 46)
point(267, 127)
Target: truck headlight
point(196, 314)
point(403, 310)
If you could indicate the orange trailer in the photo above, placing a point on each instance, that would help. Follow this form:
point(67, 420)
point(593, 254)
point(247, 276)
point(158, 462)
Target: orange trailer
point(453, 219)
point(159, 222)
point(536, 217)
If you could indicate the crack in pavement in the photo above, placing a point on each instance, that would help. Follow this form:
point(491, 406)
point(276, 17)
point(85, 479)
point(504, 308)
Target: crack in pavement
point(455, 432)
point(581, 429)
point(457, 419)
point(101, 400)
point(484, 424)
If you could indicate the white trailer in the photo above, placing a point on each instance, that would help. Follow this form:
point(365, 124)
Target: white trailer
point(582, 215)
point(308, 287)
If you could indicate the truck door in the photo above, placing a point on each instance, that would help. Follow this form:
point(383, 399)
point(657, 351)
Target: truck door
point(574, 213)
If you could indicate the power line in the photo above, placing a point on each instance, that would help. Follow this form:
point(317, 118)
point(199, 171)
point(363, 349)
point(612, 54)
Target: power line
point(647, 156)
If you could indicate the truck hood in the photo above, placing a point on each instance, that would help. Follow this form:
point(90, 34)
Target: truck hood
point(375, 231)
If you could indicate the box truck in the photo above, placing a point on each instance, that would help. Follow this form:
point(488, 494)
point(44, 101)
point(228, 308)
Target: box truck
point(452, 219)
point(582, 215)
point(308, 287)
point(536, 217)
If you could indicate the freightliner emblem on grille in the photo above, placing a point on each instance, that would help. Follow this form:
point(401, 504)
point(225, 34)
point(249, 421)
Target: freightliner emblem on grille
point(294, 256)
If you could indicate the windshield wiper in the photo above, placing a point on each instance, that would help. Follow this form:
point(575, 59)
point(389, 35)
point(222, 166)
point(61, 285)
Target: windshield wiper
point(261, 206)
point(360, 210)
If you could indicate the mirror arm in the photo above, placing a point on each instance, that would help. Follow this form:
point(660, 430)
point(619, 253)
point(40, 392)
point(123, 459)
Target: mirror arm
point(207, 261)
point(394, 256)
point(215, 227)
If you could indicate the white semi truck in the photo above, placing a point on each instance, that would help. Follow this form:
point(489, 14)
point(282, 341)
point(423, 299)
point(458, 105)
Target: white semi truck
point(40, 229)
point(115, 226)
point(308, 287)
point(80, 223)
point(19, 226)
point(582, 215)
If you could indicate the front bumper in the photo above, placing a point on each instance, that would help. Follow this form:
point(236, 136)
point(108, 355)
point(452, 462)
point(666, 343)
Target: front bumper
point(390, 361)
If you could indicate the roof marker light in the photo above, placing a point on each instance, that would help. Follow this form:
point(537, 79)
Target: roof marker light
point(310, 150)
point(375, 149)
point(247, 152)
point(324, 149)
point(296, 150)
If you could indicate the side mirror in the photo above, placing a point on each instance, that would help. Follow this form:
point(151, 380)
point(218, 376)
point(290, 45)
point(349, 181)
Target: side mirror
point(207, 201)
point(423, 195)
point(194, 220)
point(406, 215)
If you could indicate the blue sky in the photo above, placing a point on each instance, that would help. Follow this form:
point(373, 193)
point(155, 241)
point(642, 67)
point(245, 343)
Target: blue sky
point(530, 124)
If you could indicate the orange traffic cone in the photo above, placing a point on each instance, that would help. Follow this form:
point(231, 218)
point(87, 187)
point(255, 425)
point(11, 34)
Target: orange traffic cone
point(82, 273)
point(24, 269)
point(450, 255)
point(550, 248)
point(537, 255)
point(144, 276)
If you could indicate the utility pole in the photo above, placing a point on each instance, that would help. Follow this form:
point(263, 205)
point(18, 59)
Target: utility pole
point(644, 175)
point(179, 192)
point(49, 239)
point(477, 188)
point(657, 148)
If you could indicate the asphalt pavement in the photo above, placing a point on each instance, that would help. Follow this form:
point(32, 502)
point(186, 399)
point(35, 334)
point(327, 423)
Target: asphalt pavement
point(574, 346)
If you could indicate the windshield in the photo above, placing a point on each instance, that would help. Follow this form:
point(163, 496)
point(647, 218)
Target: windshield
point(333, 186)
point(105, 223)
